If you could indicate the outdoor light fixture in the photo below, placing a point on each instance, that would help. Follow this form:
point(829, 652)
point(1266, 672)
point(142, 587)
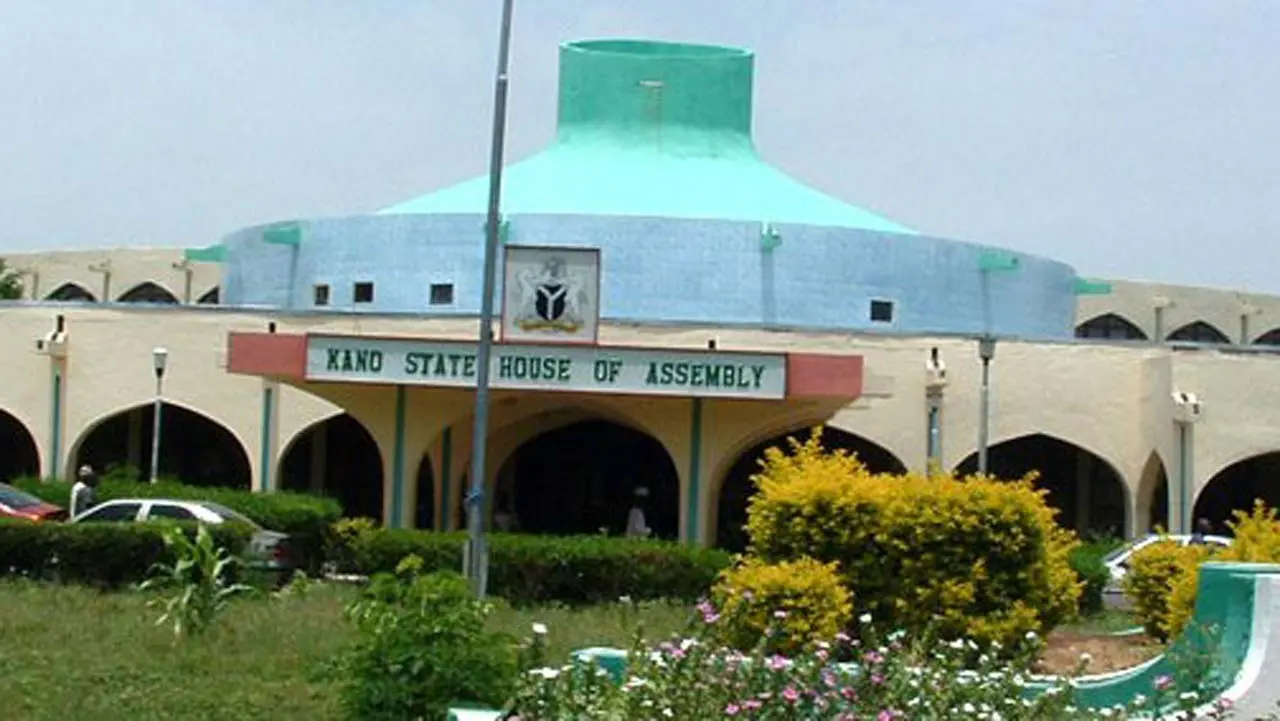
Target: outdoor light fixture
point(987, 352)
point(159, 360)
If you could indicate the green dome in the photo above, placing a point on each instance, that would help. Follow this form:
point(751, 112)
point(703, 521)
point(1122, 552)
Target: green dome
point(654, 129)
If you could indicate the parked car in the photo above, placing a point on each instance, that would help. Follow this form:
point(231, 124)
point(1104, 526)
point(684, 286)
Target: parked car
point(20, 504)
point(1117, 561)
point(267, 550)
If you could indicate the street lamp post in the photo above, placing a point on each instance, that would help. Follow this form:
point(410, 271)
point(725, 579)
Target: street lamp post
point(986, 351)
point(476, 555)
point(159, 358)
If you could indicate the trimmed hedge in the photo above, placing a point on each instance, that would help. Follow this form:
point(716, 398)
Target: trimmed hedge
point(108, 555)
point(538, 569)
point(305, 518)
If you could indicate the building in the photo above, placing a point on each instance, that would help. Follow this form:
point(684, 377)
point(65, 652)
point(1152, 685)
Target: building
point(734, 306)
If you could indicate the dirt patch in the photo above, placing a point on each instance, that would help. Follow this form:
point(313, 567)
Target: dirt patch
point(1108, 653)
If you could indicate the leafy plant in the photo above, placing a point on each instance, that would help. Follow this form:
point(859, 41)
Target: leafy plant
point(10, 282)
point(201, 579)
point(423, 646)
point(804, 600)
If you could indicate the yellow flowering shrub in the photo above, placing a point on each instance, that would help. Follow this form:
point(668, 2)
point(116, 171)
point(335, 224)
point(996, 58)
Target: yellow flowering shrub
point(973, 557)
point(1153, 574)
point(803, 601)
point(1257, 540)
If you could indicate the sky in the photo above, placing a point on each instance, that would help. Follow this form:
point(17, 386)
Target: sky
point(1133, 139)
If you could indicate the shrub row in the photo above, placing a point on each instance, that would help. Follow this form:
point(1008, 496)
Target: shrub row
point(101, 554)
point(972, 557)
point(537, 569)
point(306, 518)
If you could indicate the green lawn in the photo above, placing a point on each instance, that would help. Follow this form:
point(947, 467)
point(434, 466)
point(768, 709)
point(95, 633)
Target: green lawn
point(74, 654)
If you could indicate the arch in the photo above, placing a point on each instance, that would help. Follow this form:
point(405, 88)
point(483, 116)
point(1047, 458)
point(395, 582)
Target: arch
point(71, 292)
point(424, 509)
point(1110, 326)
point(1271, 337)
point(336, 456)
point(213, 296)
point(579, 478)
point(19, 453)
point(1153, 496)
point(1088, 492)
point(1235, 488)
point(148, 292)
point(1199, 332)
point(736, 488)
point(194, 448)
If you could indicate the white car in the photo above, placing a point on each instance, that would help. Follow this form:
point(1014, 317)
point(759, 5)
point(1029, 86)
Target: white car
point(1117, 562)
point(267, 549)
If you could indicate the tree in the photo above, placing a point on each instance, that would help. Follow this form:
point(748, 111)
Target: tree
point(10, 282)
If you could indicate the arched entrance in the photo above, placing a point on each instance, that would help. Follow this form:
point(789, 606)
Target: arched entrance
point(1236, 487)
point(194, 448)
point(19, 455)
point(210, 297)
point(580, 478)
point(424, 511)
point(736, 488)
point(1153, 495)
point(71, 292)
point(148, 292)
point(1087, 492)
point(336, 457)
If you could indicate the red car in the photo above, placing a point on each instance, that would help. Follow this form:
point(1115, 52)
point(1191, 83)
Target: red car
point(20, 504)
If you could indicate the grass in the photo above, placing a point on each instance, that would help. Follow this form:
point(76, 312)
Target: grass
point(73, 654)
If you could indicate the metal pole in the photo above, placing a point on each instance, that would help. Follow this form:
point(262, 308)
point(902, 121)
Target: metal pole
point(477, 558)
point(155, 427)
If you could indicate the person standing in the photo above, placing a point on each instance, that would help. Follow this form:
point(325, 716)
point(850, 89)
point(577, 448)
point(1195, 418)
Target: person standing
point(1203, 528)
point(637, 525)
point(84, 493)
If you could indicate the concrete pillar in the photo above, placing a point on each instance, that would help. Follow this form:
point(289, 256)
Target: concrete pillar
point(1084, 486)
point(319, 457)
point(134, 450)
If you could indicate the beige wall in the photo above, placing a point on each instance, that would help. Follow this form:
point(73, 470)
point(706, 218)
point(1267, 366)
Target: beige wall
point(1110, 399)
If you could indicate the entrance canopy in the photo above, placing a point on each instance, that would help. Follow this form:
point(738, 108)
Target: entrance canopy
point(625, 370)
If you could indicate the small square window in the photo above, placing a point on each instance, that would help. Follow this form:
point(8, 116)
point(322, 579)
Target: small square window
point(442, 294)
point(882, 311)
point(363, 292)
point(321, 294)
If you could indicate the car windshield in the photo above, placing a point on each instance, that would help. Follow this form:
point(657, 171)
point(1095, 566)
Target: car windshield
point(16, 499)
point(229, 515)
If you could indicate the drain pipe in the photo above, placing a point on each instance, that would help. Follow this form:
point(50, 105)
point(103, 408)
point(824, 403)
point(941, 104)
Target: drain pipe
point(935, 382)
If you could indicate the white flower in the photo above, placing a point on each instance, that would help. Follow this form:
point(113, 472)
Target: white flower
point(864, 618)
point(540, 629)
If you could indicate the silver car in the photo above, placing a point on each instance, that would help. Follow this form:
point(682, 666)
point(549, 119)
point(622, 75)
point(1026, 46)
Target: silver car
point(267, 550)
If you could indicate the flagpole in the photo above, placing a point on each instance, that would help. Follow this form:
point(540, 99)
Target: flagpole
point(477, 557)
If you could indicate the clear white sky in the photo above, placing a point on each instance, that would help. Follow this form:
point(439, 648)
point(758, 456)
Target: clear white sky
point(1129, 138)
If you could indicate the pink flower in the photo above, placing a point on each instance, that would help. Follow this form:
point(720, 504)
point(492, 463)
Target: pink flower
point(884, 715)
point(732, 709)
point(790, 695)
point(1163, 683)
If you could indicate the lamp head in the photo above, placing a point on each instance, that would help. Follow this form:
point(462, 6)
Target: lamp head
point(159, 358)
point(987, 347)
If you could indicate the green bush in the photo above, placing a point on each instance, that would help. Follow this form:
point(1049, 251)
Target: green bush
point(1087, 561)
point(101, 554)
point(972, 557)
point(537, 569)
point(305, 518)
point(423, 647)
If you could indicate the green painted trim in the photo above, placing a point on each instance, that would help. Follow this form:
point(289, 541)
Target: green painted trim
point(695, 473)
point(283, 234)
point(446, 479)
point(264, 457)
point(397, 463)
point(997, 260)
point(1084, 286)
point(211, 254)
point(55, 434)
